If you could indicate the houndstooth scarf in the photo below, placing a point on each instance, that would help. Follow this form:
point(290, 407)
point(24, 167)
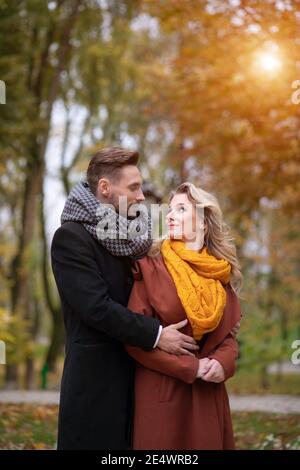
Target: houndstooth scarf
point(119, 235)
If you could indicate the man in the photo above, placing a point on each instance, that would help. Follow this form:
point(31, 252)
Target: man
point(94, 280)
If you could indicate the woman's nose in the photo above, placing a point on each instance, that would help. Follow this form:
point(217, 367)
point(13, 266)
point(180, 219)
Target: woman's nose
point(170, 216)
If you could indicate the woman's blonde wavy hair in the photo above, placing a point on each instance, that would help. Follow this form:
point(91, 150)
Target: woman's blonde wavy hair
point(217, 239)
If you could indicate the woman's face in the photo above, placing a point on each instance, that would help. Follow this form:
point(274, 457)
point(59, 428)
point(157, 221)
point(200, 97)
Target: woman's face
point(183, 222)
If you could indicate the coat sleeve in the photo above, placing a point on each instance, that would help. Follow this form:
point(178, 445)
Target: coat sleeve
point(84, 290)
point(226, 354)
point(226, 351)
point(180, 367)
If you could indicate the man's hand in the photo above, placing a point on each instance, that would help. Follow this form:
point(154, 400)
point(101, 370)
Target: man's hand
point(215, 372)
point(174, 342)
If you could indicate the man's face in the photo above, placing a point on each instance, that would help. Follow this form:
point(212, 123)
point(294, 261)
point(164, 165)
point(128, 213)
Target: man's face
point(129, 184)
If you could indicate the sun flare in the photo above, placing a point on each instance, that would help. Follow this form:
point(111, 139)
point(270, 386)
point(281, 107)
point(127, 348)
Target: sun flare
point(268, 62)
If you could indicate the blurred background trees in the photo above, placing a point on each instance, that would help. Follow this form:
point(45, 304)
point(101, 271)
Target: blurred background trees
point(204, 91)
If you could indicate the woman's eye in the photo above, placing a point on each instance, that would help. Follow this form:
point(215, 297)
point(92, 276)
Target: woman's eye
point(178, 209)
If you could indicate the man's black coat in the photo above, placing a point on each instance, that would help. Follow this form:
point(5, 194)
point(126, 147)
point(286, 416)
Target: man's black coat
point(97, 384)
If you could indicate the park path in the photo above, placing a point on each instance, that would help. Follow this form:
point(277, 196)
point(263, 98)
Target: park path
point(282, 404)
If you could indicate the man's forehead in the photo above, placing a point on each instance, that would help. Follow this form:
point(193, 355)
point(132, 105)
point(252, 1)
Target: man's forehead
point(131, 174)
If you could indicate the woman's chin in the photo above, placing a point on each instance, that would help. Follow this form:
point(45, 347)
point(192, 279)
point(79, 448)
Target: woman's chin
point(173, 236)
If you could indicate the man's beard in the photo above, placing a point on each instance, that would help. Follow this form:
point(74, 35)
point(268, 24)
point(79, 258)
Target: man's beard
point(114, 200)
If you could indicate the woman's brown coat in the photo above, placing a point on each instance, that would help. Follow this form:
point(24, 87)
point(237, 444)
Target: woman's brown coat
point(174, 409)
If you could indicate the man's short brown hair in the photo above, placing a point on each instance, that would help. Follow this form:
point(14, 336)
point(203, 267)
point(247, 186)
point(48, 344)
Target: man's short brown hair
point(108, 162)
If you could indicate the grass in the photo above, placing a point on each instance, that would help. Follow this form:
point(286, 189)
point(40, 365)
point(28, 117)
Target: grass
point(249, 383)
point(25, 426)
point(266, 431)
point(34, 427)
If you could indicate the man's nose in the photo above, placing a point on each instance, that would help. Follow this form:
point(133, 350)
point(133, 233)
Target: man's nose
point(140, 197)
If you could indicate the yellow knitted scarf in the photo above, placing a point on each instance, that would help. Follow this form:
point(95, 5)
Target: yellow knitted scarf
point(198, 278)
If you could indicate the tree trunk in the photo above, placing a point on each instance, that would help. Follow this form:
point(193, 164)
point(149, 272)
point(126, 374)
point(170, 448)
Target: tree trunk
point(57, 333)
point(284, 335)
point(264, 379)
point(30, 378)
point(20, 274)
point(56, 342)
point(21, 297)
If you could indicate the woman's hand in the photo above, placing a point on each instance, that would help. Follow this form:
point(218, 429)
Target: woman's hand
point(211, 371)
point(202, 368)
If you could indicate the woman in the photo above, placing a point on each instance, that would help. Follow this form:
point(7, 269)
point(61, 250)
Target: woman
point(181, 401)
